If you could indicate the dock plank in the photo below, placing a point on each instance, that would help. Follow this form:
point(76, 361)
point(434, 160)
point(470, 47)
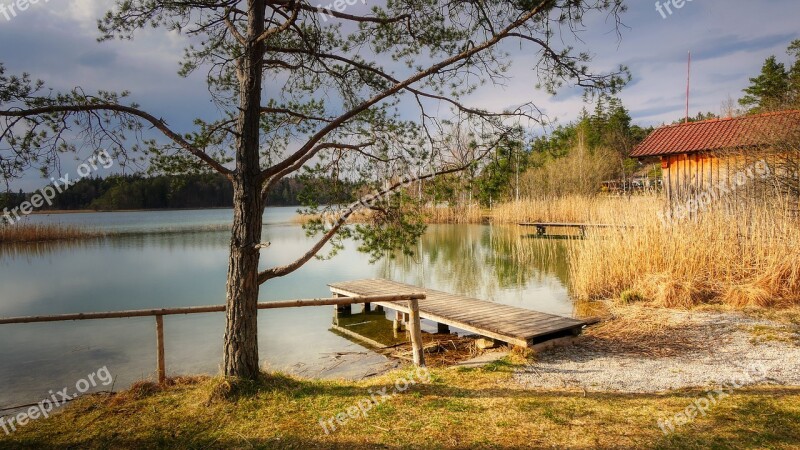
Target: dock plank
point(510, 324)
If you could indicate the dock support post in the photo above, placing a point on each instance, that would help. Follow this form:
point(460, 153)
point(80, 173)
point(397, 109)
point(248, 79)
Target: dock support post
point(343, 310)
point(416, 333)
point(442, 328)
point(367, 307)
point(162, 370)
point(397, 323)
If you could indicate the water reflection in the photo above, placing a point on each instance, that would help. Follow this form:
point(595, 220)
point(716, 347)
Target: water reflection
point(27, 251)
point(197, 237)
point(374, 325)
point(498, 263)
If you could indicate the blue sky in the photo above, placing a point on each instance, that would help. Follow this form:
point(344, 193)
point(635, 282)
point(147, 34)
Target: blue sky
point(56, 41)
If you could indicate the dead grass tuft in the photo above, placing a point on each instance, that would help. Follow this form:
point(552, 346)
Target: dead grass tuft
point(643, 331)
point(747, 295)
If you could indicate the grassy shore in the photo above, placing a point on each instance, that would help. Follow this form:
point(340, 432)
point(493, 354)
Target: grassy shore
point(458, 408)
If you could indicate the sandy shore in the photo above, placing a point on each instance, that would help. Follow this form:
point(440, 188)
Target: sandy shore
point(677, 350)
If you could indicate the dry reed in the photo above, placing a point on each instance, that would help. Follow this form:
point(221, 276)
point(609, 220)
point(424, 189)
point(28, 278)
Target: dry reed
point(455, 214)
point(574, 209)
point(745, 257)
point(21, 233)
point(644, 332)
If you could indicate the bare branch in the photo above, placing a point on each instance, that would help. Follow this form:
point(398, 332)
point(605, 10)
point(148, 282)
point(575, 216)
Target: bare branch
point(397, 87)
point(158, 124)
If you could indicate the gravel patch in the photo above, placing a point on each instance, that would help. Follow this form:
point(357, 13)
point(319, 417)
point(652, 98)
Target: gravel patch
point(727, 347)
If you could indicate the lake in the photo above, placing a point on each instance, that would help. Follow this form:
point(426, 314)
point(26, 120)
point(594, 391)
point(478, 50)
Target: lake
point(179, 258)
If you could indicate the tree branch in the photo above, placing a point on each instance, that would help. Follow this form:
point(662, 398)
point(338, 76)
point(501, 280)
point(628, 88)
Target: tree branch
point(336, 123)
point(367, 200)
point(158, 124)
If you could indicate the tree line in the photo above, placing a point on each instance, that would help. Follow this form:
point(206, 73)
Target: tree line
point(138, 191)
point(575, 158)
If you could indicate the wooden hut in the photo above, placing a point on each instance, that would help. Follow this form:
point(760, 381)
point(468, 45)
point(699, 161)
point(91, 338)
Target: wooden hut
point(697, 157)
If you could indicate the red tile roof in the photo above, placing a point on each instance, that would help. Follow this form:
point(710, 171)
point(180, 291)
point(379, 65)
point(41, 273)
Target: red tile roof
point(720, 134)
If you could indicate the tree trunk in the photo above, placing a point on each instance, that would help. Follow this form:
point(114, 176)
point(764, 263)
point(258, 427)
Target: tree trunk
point(241, 327)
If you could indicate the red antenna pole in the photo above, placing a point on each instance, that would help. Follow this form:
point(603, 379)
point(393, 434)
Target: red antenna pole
point(688, 85)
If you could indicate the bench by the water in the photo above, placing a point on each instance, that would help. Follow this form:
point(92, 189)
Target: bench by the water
point(509, 324)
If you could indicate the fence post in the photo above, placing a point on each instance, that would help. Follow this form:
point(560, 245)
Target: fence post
point(162, 370)
point(416, 333)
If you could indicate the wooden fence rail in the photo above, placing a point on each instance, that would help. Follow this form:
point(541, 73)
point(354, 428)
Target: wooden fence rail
point(413, 302)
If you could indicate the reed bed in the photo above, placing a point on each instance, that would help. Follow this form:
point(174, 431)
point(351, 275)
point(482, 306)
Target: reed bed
point(22, 233)
point(743, 256)
point(460, 214)
point(575, 209)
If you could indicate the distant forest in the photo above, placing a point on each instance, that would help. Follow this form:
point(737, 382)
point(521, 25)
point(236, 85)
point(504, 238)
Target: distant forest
point(121, 192)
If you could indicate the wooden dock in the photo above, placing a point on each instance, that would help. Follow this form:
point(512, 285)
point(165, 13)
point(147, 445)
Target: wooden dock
point(541, 227)
point(509, 324)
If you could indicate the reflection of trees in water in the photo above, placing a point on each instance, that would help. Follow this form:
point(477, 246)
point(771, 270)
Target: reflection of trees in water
point(33, 250)
point(527, 256)
point(169, 240)
point(480, 260)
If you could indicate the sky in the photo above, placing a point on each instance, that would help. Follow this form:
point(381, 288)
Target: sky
point(56, 41)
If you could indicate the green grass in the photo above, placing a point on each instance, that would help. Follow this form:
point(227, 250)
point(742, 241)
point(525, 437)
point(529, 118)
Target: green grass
point(765, 333)
point(464, 408)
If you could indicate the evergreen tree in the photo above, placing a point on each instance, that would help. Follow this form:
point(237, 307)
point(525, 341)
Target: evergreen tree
point(768, 91)
point(794, 75)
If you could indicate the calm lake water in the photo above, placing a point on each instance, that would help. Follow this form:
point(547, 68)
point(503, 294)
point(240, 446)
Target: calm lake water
point(179, 258)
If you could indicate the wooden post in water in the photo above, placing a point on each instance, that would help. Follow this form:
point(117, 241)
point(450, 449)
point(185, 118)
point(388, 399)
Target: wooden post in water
point(397, 323)
point(415, 327)
point(162, 369)
point(340, 310)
